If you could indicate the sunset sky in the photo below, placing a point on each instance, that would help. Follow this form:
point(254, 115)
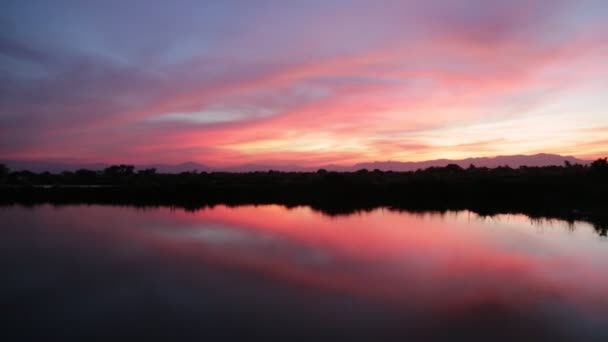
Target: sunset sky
point(301, 82)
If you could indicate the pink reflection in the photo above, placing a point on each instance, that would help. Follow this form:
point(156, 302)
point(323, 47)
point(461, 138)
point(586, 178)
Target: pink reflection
point(426, 262)
point(458, 260)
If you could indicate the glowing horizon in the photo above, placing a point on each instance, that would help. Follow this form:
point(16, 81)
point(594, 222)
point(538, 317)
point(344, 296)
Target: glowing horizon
point(314, 83)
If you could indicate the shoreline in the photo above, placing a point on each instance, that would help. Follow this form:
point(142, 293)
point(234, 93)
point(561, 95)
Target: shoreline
point(328, 201)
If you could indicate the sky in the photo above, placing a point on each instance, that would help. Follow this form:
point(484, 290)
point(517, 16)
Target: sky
point(310, 82)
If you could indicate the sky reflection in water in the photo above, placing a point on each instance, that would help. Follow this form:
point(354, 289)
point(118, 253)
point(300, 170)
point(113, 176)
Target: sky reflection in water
point(268, 271)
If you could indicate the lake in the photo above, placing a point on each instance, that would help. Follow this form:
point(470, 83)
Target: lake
point(276, 273)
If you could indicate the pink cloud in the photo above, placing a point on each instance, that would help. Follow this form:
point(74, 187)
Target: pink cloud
point(401, 91)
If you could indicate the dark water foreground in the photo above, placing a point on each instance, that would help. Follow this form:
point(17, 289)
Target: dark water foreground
point(272, 273)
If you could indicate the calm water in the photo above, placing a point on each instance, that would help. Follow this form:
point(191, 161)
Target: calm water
point(295, 274)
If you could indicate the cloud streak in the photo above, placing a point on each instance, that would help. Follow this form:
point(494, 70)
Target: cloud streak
point(321, 82)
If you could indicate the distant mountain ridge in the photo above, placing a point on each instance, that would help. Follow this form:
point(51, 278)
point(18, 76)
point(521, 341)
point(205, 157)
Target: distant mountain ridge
point(514, 161)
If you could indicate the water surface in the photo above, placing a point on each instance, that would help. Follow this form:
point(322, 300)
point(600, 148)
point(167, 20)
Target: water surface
point(77, 272)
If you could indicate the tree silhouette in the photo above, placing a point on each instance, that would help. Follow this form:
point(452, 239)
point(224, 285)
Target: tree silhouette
point(119, 170)
point(600, 165)
point(548, 190)
point(4, 171)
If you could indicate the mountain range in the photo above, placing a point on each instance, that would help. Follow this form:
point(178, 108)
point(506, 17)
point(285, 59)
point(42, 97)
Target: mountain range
point(513, 161)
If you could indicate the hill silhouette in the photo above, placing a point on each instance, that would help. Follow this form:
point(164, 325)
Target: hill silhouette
point(514, 161)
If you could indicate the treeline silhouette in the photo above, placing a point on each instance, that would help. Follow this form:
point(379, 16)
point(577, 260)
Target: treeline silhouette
point(569, 191)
